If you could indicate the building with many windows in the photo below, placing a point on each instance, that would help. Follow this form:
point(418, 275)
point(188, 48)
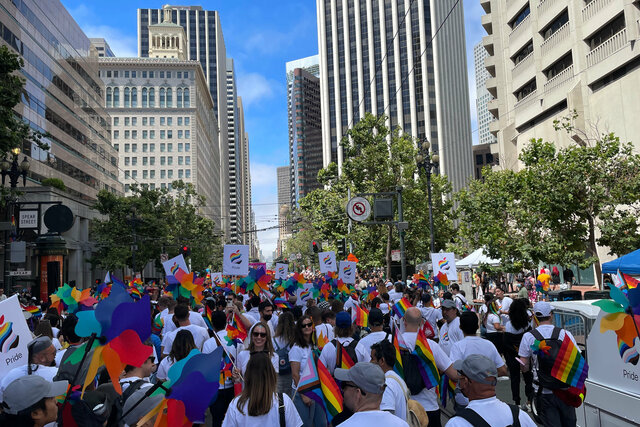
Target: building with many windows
point(305, 126)
point(284, 207)
point(384, 57)
point(549, 58)
point(236, 136)
point(163, 121)
point(102, 47)
point(204, 43)
point(482, 98)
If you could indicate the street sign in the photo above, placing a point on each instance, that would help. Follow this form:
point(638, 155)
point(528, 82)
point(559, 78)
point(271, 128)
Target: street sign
point(358, 209)
point(395, 255)
point(20, 273)
point(28, 219)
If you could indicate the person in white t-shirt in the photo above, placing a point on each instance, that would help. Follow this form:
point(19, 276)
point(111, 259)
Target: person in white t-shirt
point(259, 404)
point(458, 298)
point(363, 349)
point(396, 393)
point(504, 303)
point(430, 315)
point(493, 324)
point(472, 344)
point(450, 330)
point(427, 397)
point(200, 334)
point(478, 379)
point(344, 332)
point(363, 387)
point(194, 319)
point(258, 340)
point(180, 348)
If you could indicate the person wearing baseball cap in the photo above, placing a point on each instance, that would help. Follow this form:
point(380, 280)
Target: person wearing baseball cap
point(478, 377)
point(450, 331)
point(363, 386)
point(550, 408)
point(31, 401)
point(344, 332)
point(376, 321)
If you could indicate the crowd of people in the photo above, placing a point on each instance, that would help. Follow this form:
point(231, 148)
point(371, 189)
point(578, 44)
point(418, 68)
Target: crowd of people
point(471, 346)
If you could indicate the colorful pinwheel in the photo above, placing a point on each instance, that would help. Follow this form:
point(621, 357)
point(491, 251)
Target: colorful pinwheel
point(71, 299)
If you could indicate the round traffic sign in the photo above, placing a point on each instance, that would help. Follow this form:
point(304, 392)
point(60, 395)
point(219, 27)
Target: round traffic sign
point(358, 209)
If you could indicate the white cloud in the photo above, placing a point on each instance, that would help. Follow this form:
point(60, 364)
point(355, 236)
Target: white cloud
point(254, 87)
point(263, 176)
point(265, 204)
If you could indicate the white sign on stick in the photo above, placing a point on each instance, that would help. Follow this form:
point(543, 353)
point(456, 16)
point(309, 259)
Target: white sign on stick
point(446, 263)
point(235, 261)
point(14, 335)
point(171, 266)
point(327, 261)
point(347, 272)
point(282, 270)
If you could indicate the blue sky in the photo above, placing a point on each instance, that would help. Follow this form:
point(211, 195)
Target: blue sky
point(261, 36)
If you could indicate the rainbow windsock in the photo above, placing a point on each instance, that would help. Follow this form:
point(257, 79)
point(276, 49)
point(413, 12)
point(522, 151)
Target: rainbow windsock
point(401, 307)
point(427, 366)
point(570, 367)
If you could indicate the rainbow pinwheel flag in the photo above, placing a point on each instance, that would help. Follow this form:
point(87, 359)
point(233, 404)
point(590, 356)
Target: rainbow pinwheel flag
point(570, 367)
point(322, 341)
point(401, 307)
point(427, 366)
point(319, 385)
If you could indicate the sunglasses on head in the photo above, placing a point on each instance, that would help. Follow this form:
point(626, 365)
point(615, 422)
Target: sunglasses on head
point(307, 325)
point(259, 334)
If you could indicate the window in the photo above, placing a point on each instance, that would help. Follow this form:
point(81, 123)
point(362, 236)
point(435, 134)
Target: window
point(162, 147)
point(179, 74)
point(163, 174)
point(152, 161)
point(612, 28)
point(169, 160)
point(162, 134)
point(187, 134)
point(162, 121)
point(169, 101)
point(116, 134)
point(145, 147)
point(152, 134)
point(152, 97)
point(134, 134)
point(127, 121)
point(133, 74)
point(558, 66)
point(162, 160)
point(126, 186)
point(187, 147)
point(134, 97)
point(145, 134)
point(187, 160)
point(127, 148)
point(161, 74)
point(109, 97)
point(134, 148)
point(145, 161)
point(152, 175)
point(116, 147)
point(179, 121)
point(144, 74)
point(127, 161)
point(108, 73)
point(163, 185)
point(186, 121)
point(169, 121)
point(134, 121)
point(152, 121)
point(186, 98)
point(187, 173)
point(116, 97)
point(523, 53)
point(521, 16)
point(134, 161)
point(180, 173)
point(115, 74)
point(168, 74)
point(170, 174)
point(151, 74)
point(134, 174)
point(144, 121)
point(525, 90)
point(180, 145)
point(152, 148)
point(116, 121)
point(145, 174)
point(162, 97)
point(145, 97)
point(127, 97)
point(180, 160)
point(169, 134)
point(127, 174)
point(169, 147)
point(126, 74)
point(179, 134)
point(127, 134)
point(179, 98)
point(555, 25)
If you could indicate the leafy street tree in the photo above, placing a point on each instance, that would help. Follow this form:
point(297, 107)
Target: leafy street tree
point(164, 221)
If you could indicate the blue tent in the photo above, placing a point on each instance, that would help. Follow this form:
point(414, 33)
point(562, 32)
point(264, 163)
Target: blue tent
point(629, 263)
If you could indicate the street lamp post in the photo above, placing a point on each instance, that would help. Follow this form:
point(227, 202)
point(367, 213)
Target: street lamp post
point(428, 160)
point(14, 171)
point(134, 247)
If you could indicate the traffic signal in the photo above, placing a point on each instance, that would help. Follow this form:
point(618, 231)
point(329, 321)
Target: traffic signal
point(185, 250)
point(315, 247)
point(342, 248)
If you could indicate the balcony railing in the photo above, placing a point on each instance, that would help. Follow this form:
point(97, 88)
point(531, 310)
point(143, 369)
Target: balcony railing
point(555, 38)
point(608, 48)
point(521, 28)
point(526, 100)
point(522, 66)
point(560, 78)
point(545, 5)
point(590, 10)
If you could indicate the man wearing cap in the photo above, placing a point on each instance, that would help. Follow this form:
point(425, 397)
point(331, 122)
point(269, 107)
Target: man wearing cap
point(343, 336)
point(450, 330)
point(551, 409)
point(363, 386)
point(363, 349)
point(31, 399)
point(478, 377)
point(41, 362)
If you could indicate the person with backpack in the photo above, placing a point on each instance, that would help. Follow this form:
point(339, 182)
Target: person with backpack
point(550, 408)
point(332, 355)
point(478, 377)
point(430, 315)
point(376, 323)
point(396, 394)
point(260, 404)
point(514, 330)
point(426, 397)
point(459, 298)
point(284, 339)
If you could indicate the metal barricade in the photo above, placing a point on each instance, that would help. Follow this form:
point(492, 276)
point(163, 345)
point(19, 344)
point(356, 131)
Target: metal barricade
point(576, 323)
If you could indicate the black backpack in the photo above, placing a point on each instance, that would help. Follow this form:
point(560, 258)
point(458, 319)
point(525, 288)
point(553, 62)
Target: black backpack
point(117, 408)
point(350, 349)
point(547, 360)
point(283, 355)
point(412, 375)
point(476, 420)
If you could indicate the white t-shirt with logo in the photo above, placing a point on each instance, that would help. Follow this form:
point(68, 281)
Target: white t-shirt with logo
point(235, 418)
point(495, 412)
point(427, 397)
point(450, 332)
point(394, 399)
point(371, 418)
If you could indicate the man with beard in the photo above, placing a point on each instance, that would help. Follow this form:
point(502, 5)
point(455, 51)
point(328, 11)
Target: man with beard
point(41, 362)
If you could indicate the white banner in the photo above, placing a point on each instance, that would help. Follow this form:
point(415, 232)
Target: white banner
point(171, 266)
point(304, 294)
point(347, 272)
point(216, 279)
point(282, 270)
point(14, 335)
point(445, 263)
point(235, 261)
point(327, 261)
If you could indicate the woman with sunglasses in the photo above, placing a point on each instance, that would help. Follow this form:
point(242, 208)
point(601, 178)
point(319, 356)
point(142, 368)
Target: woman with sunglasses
point(259, 404)
point(311, 414)
point(258, 341)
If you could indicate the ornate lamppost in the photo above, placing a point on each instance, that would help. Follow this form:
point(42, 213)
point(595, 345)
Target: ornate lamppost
point(428, 160)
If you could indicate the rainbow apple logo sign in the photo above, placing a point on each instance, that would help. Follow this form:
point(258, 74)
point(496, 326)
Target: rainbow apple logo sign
point(347, 270)
point(327, 260)
point(8, 338)
point(443, 264)
point(236, 257)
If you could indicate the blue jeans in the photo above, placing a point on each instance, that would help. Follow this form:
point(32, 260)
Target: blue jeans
point(313, 415)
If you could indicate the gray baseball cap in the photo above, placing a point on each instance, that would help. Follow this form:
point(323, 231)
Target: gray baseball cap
point(366, 375)
point(447, 303)
point(26, 391)
point(478, 368)
point(145, 406)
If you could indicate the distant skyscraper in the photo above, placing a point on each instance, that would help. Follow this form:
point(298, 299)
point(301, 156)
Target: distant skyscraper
point(102, 47)
point(234, 210)
point(378, 57)
point(205, 43)
point(482, 96)
point(284, 206)
point(305, 128)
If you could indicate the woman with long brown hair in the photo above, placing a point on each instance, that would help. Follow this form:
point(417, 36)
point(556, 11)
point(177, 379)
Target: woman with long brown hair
point(181, 347)
point(284, 339)
point(258, 341)
point(259, 404)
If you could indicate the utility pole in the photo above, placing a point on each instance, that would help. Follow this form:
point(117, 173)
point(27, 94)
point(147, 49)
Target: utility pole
point(403, 261)
point(349, 229)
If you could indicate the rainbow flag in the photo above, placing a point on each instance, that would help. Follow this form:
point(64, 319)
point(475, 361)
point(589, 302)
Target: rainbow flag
point(343, 360)
point(322, 340)
point(397, 366)
point(421, 280)
point(319, 385)
point(427, 366)
point(570, 367)
point(401, 306)
point(207, 317)
point(362, 317)
point(157, 325)
point(35, 311)
point(282, 303)
point(631, 282)
point(446, 389)
point(442, 278)
point(236, 329)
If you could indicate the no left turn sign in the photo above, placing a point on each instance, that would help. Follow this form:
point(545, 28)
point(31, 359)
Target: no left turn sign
point(358, 209)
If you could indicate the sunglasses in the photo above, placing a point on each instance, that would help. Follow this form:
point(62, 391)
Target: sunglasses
point(307, 325)
point(259, 334)
point(347, 385)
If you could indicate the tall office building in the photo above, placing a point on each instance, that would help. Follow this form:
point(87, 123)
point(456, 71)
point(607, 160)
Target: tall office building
point(205, 43)
point(244, 179)
point(234, 211)
point(482, 97)
point(305, 128)
point(550, 58)
point(164, 124)
point(284, 207)
point(102, 47)
point(378, 57)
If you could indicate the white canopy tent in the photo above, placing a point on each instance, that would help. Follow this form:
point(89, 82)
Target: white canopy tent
point(475, 259)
